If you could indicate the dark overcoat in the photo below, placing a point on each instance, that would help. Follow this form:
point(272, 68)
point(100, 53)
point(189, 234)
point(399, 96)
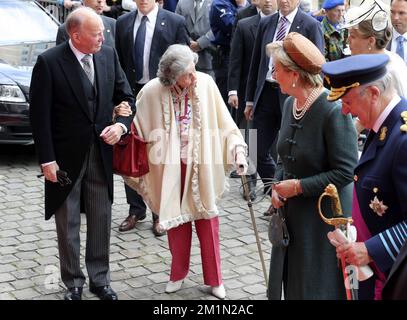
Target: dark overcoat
point(62, 125)
point(319, 149)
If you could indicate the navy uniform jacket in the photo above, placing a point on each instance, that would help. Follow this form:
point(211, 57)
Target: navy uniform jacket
point(382, 172)
point(222, 16)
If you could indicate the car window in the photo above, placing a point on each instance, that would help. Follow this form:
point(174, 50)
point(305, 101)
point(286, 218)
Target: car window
point(24, 21)
point(25, 32)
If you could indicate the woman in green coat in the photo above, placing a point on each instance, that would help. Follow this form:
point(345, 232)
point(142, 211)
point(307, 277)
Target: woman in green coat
point(317, 145)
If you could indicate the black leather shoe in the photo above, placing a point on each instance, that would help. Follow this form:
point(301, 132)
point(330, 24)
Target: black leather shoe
point(104, 292)
point(130, 222)
point(74, 293)
point(156, 230)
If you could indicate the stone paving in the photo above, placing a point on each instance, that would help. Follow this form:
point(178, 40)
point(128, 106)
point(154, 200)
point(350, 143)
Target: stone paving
point(140, 262)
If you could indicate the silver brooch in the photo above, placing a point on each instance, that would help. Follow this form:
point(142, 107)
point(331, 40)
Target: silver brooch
point(377, 206)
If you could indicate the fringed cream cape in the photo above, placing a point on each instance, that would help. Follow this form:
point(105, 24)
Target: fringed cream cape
point(213, 138)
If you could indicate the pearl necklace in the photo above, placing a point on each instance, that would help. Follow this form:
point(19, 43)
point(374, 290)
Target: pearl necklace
point(298, 113)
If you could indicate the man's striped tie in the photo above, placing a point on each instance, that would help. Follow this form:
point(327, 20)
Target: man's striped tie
point(280, 34)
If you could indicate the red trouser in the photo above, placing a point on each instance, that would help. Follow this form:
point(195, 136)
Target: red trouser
point(179, 241)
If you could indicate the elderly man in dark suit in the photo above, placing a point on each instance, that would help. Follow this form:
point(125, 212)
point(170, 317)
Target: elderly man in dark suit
point(264, 99)
point(108, 23)
point(196, 13)
point(142, 36)
point(379, 206)
point(74, 89)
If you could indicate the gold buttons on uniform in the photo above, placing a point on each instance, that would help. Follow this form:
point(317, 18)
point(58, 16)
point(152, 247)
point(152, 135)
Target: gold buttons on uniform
point(403, 128)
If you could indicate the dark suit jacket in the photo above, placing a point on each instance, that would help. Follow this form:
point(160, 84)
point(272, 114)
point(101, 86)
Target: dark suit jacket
point(109, 32)
point(62, 127)
point(302, 23)
point(396, 284)
point(169, 29)
point(241, 52)
point(198, 29)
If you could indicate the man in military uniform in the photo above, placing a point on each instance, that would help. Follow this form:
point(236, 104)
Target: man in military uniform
point(335, 37)
point(379, 206)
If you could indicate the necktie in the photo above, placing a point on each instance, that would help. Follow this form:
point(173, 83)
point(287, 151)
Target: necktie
point(88, 67)
point(197, 7)
point(139, 48)
point(281, 31)
point(400, 46)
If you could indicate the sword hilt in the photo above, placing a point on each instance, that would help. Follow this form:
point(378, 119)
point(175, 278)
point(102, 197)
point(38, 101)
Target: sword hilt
point(338, 220)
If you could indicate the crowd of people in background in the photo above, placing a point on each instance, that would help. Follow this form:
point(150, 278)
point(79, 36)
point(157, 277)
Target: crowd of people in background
point(308, 80)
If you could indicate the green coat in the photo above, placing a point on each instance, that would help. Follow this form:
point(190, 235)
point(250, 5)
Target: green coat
point(319, 149)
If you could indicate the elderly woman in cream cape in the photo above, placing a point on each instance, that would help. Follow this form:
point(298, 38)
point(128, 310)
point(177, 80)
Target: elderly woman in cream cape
point(193, 144)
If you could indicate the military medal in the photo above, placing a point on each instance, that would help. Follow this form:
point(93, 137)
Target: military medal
point(377, 206)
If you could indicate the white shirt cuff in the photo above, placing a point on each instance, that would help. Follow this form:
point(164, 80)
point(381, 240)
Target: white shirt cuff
point(123, 126)
point(47, 163)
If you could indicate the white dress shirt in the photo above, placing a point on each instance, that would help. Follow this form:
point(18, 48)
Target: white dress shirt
point(150, 26)
point(394, 43)
point(383, 116)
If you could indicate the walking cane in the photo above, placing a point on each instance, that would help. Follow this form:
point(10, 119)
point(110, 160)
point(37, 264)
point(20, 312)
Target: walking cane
point(343, 223)
point(250, 205)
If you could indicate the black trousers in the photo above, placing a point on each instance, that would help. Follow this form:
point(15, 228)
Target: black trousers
point(220, 64)
point(267, 119)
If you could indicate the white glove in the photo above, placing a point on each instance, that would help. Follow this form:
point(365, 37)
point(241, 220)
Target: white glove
point(241, 164)
point(337, 238)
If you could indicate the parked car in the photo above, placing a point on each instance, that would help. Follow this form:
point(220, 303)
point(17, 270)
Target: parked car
point(26, 30)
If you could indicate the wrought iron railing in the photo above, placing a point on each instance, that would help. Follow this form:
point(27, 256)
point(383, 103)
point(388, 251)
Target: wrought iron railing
point(58, 11)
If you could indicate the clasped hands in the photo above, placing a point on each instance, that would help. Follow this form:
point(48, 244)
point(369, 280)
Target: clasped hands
point(112, 134)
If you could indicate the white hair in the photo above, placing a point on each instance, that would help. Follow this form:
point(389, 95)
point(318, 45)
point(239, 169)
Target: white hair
point(174, 62)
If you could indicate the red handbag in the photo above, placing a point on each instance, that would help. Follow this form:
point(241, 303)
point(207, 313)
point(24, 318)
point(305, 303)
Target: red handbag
point(130, 155)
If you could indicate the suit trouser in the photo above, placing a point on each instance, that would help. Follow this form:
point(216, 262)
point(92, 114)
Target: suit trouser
point(267, 119)
point(92, 186)
point(136, 203)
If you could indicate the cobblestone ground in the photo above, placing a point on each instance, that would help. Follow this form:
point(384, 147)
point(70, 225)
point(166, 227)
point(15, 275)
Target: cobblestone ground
point(140, 262)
